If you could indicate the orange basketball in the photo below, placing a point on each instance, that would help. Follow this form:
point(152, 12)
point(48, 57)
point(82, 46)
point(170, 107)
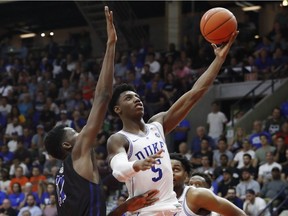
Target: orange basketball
point(217, 25)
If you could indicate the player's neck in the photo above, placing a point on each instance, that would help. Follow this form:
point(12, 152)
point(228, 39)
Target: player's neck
point(135, 127)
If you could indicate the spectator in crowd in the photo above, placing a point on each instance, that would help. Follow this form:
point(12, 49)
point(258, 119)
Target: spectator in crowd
point(283, 132)
point(232, 197)
point(180, 134)
point(5, 181)
point(184, 150)
point(15, 164)
point(239, 159)
point(237, 142)
point(205, 165)
point(222, 149)
point(154, 65)
point(7, 209)
point(197, 139)
point(205, 150)
point(272, 188)
point(19, 178)
point(216, 121)
point(45, 194)
point(280, 153)
point(274, 122)
point(23, 154)
point(37, 179)
point(13, 142)
point(12, 127)
point(16, 196)
point(50, 209)
point(257, 130)
point(261, 152)
point(247, 182)
point(31, 207)
point(254, 205)
point(5, 106)
point(227, 182)
point(264, 173)
point(248, 164)
point(27, 190)
point(64, 120)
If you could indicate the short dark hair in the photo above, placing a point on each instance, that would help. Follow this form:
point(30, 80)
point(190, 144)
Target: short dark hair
point(53, 141)
point(185, 162)
point(250, 191)
point(247, 155)
point(116, 94)
point(207, 178)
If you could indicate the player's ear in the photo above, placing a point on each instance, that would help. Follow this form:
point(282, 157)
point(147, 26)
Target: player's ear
point(117, 110)
point(66, 145)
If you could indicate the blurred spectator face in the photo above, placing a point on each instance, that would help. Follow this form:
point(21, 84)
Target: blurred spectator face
point(215, 107)
point(204, 144)
point(231, 193)
point(35, 171)
point(257, 126)
point(279, 142)
point(52, 199)
point(200, 131)
point(6, 204)
point(222, 145)
point(18, 172)
point(276, 113)
point(246, 160)
point(50, 188)
point(250, 197)
point(15, 121)
point(285, 127)
point(269, 157)
point(246, 145)
point(183, 148)
point(205, 161)
point(16, 188)
point(246, 175)
point(223, 160)
point(264, 140)
point(30, 200)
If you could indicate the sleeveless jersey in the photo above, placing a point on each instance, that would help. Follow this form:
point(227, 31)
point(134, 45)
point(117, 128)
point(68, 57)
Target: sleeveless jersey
point(75, 195)
point(185, 209)
point(159, 176)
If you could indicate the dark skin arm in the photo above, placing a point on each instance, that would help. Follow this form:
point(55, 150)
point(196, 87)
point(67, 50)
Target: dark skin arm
point(81, 153)
point(202, 198)
point(180, 109)
point(136, 203)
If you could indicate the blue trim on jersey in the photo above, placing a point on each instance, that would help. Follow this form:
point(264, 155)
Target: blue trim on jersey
point(91, 199)
point(95, 204)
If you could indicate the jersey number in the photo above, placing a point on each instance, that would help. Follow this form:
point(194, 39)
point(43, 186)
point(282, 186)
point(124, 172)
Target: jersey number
point(157, 170)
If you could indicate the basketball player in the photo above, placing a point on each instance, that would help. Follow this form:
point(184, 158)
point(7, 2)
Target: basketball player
point(78, 187)
point(138, 153)
point(198, 201)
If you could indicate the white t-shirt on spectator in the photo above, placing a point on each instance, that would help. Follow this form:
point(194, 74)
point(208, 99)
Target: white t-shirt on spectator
point(239, 157)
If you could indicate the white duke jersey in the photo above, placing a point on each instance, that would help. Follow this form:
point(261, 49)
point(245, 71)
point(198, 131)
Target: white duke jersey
point(158, 177)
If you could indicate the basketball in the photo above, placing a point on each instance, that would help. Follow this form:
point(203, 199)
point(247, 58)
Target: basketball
point(217, 25)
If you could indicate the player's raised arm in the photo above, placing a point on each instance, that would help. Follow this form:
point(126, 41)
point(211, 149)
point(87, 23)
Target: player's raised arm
point(180, 109)
point(104, 87)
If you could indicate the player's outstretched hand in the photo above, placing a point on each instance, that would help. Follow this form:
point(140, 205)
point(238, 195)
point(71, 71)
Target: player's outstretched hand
point(135, 203)
point(223, 50)
point(148, 162)
point(142, 200)
point(111, 32)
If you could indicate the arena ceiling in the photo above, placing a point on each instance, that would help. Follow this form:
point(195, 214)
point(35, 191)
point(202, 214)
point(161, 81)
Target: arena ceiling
point(18, 17)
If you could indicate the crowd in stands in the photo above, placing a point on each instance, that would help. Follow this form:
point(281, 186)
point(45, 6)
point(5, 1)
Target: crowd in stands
point(39, 90)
